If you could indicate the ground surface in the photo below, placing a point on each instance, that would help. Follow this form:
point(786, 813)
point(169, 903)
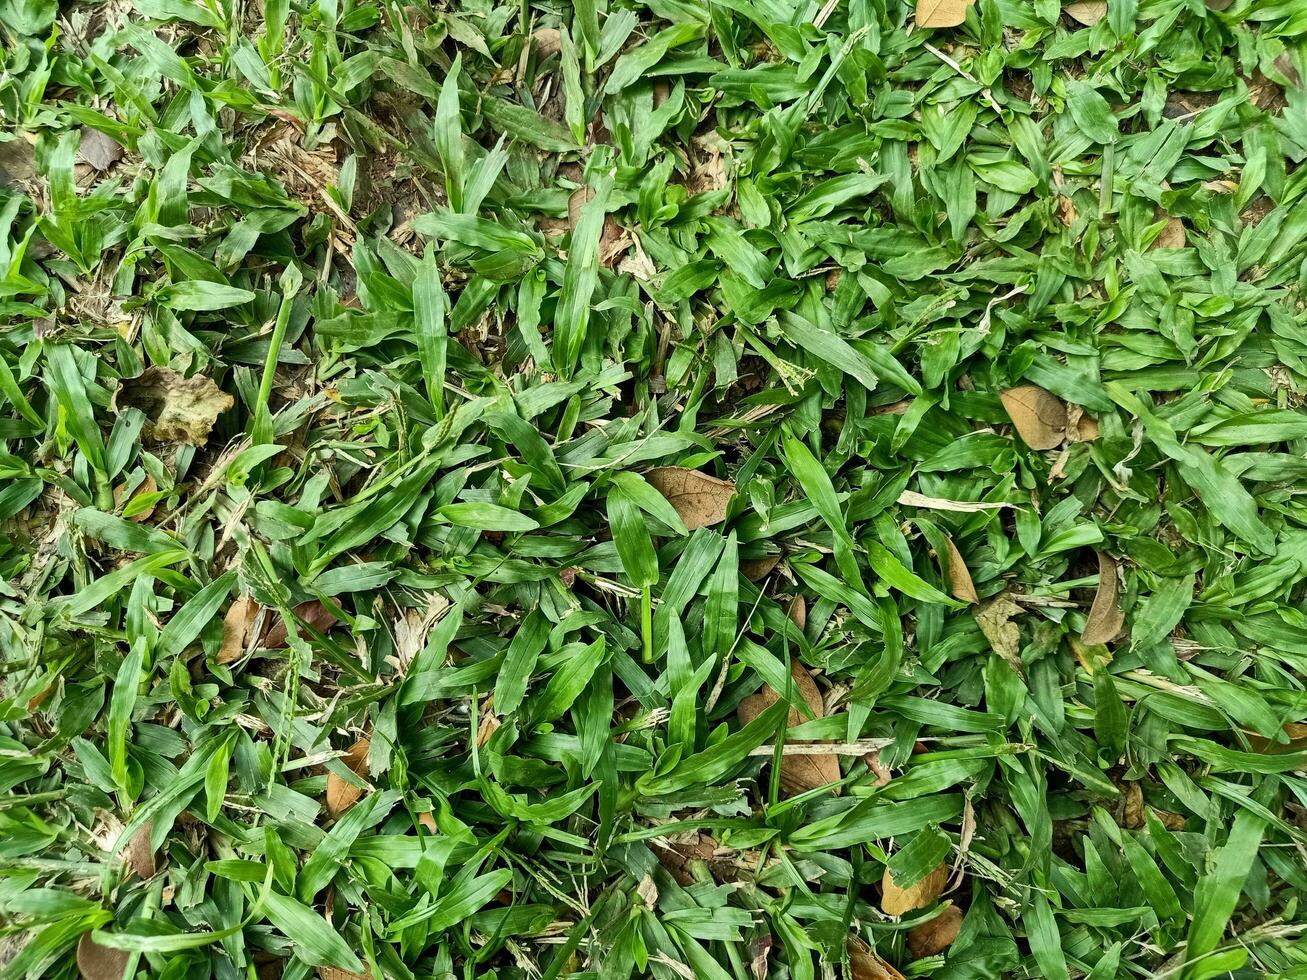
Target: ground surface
point(441, 447)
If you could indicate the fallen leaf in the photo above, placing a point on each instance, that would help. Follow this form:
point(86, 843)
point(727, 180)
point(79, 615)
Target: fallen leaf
point(236, 626)
point(336, 973)
point(1080, 426)
point(798, 613)
point(799, 773)
point(1132, 806)
point(910, 498)
point(699, 499)
point(342, 795)
point(864, 964)
point(614, 240)
point(1038, 416)
point(958, 576)
point(99, 150)
point(147, 486)
point(1173, 235)
point(942, 13)
point(759, 950)
point(179, 409)
point(1297, 735)
point(312, 613)
point(17, 162)
point(1087, 12)
point(139, 855)
point(96, 962)
point(757, 569)
point(936, 935)
point(547, 41)
point(995, 621)
point(1105, 617)
point(896, 901)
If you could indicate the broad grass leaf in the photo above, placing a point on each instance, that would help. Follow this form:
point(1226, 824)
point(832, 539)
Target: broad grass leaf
point(942, 13)
point(799, 773)
point(699, 500)
point(1105, 617)
point(1217, 893)
point(179, 409)
point(1038, 416)
point(315, 939)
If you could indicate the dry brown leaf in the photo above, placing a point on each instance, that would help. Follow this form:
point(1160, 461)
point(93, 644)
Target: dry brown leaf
point(179, 409)
point(677, 854)
point(958, 576)
point(313, 613)
point(1132, 806)
point(1296, 732)
point(1038, 416)
point(96, 962)
point(757, 569)
point(98, 150)
point(1080, 427)
point(547, 41)
point(700, 500)
point(1173, 235)
point(614, 239)
point(910, 498)
point(936, 935)
point(798, 613)
point(336, 973)
point(147, 486)
point(896, 901)
point(864, 964)
point(995, 621)
point(1105, 617)
point(17, 162)
point(139, 855)
point(799, 773)
point(942, 13)
point(236, 626)
point(1087, 12)
point(342, 795)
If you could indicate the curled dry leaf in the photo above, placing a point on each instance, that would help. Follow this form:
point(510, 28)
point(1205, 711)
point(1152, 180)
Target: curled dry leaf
point(98, 150)
point(910, 498)
point(312, 613)
point(342, 795)
point(942, 13)
point(179, 409)
point(958, 576)
point(995, 621)
point(236, 627)
point(936, 935)
point(1087, 12)
point(897, 901)
point(864, 964)
point(799, 773)
point(1105, 617)
point(1038, 416)
point(614, 240)
point(1132, 805)
point(1080, 427)
point(699, 499)
point(96, 962)
point(139, 855)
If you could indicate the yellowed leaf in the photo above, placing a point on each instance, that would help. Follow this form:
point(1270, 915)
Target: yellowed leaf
point(942, 13)
point(179, 409)
point(799, 773)
point(342, 795)
point(864, 964)
point(700, 500)
point(896, 901)
point(96, 962)
point(936, 935)
point(1105, 617)
point(959, 576)
point(1038, 416)
point(1087, 12)
point(910, 498)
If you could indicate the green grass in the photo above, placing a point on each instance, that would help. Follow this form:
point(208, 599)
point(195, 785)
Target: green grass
point(653, 489)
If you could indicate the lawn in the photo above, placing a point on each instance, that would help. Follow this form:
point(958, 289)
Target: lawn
point(652, 488)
